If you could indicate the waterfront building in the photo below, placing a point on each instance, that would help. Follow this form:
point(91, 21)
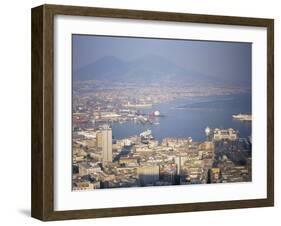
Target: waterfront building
point(225, 134)
point(220, 134)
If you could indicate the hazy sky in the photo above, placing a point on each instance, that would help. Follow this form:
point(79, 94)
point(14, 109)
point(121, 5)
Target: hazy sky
point(219, 59)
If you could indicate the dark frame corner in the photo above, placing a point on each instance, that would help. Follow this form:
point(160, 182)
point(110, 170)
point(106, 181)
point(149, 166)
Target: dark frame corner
point(42, 203)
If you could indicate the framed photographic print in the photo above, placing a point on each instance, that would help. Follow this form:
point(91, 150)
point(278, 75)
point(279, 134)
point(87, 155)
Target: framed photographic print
point(141, 112)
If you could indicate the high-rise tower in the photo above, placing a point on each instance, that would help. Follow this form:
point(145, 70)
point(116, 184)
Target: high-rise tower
point(106, 144)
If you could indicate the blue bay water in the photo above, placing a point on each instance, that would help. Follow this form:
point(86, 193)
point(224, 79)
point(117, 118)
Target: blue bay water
point(189, 117)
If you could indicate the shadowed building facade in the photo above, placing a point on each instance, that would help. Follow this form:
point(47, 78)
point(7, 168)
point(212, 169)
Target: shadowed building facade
point(148, 175)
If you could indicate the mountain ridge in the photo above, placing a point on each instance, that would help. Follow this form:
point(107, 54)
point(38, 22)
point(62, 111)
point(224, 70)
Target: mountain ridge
point(145, 69)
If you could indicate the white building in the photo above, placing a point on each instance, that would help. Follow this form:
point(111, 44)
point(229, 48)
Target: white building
point(225, 134)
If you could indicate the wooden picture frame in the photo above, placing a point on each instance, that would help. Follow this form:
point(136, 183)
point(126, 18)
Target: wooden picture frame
point(42, 203)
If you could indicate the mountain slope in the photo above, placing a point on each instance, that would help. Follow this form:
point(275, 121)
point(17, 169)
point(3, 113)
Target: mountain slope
point(150, 68)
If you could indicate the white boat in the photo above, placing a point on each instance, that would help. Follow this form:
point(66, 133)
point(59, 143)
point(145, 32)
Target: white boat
point(242, 117)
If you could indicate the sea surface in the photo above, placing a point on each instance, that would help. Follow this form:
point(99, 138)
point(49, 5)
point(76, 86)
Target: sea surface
point(189, 117)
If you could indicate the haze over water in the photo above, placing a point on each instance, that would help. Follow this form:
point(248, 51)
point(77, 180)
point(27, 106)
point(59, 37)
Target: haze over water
point(189, 117)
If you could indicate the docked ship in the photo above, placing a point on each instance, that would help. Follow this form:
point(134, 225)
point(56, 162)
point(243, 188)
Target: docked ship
point(147, 135)
point(127, 143)
point(242, 117)
point(144, 105)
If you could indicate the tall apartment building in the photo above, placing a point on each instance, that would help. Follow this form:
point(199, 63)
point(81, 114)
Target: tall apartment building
point(106, 137)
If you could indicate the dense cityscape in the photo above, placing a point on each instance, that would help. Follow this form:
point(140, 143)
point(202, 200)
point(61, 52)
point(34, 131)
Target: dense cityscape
point(100, 160)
